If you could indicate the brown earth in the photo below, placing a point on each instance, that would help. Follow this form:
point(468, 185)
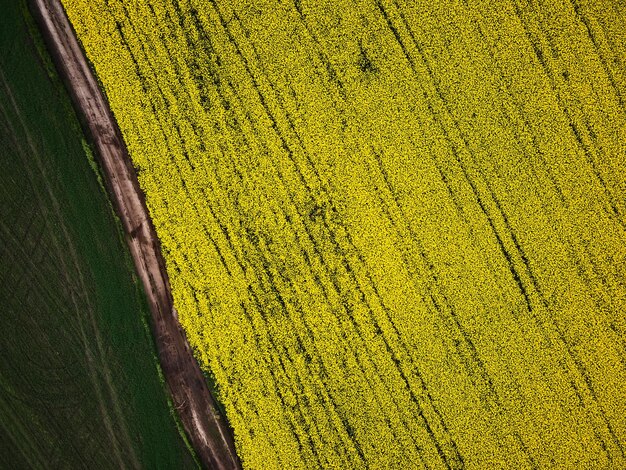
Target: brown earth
point(206, 429)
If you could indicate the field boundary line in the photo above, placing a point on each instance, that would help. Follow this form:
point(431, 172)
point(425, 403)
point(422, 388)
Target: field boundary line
point(207, 430)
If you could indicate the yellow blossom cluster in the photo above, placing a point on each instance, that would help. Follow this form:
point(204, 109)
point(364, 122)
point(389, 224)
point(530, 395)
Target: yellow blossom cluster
point(394, 230)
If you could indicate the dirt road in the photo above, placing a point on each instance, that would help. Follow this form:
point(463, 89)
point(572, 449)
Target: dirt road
point(207, 431)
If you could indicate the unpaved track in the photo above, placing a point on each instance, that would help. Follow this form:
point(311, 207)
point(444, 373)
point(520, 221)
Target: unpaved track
point(208, 433)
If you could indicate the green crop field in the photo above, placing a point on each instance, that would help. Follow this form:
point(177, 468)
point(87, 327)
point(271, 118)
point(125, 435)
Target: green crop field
point(79, 383)
point(395, 229)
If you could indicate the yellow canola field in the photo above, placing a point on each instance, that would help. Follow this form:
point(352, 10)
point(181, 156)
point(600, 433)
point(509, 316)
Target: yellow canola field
point(395, 230)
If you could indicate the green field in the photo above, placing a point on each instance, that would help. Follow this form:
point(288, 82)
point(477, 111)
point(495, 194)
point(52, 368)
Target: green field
point(79, 381)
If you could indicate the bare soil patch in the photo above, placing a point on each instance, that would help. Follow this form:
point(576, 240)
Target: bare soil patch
point(206, 429)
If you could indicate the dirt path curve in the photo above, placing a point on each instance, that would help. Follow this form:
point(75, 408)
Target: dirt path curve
point(207, 431)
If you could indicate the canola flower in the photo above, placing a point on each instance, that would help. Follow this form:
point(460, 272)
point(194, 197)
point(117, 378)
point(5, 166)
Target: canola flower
point(394, 230)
